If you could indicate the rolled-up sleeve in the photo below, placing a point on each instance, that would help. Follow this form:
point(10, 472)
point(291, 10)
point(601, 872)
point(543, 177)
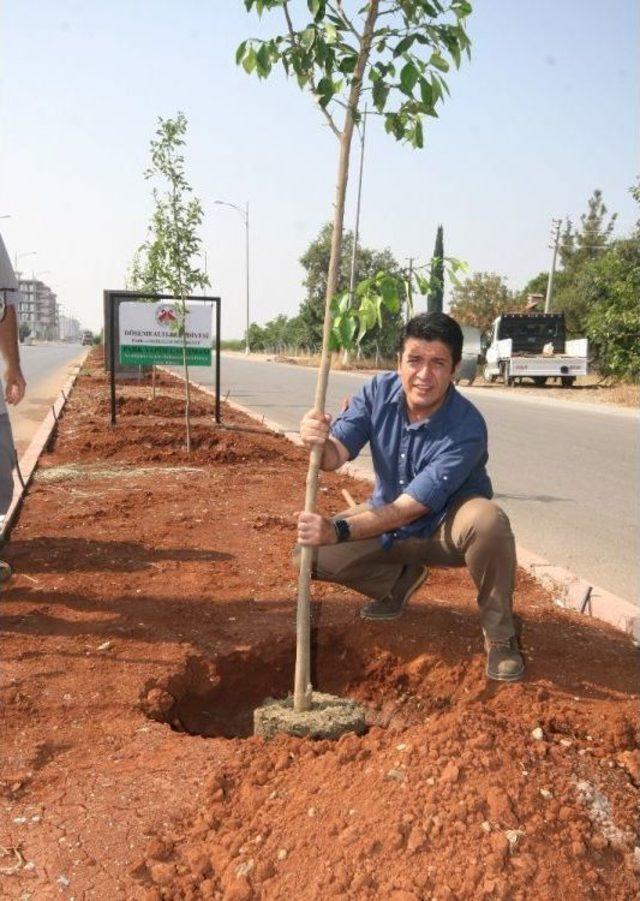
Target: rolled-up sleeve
point(448, 471)
point(353, 426)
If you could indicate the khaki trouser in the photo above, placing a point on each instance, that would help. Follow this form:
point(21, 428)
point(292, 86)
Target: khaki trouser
point(476, 533)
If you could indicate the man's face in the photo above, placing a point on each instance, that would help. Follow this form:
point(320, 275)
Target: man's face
point(426, 370)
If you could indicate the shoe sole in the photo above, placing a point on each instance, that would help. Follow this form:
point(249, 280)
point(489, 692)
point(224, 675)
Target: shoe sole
point(409, 594)
point(516, 677)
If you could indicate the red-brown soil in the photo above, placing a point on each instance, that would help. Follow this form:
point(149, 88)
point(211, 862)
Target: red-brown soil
point(153, 608)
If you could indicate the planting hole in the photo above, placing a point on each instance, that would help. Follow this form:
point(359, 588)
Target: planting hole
point(216, 697)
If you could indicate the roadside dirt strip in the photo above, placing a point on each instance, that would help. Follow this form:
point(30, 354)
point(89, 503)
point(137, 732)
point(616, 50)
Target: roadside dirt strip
point(153, 608)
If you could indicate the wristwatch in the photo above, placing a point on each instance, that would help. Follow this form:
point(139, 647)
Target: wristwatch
point(343, 532)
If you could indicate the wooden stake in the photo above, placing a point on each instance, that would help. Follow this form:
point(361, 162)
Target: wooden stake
point(302, 690)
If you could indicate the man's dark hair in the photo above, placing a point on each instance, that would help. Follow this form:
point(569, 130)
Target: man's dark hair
point(434, 327)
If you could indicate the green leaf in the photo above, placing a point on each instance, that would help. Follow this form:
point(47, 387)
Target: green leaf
point(408, 78)
point(422, 283)
point(426, 93)
point(380, 92)
point(325, 91)
point(331, 34)
point(348, 64)
point(439, 62)
point(389, 290)
point(307, 37)
point(249, 62)
point(417, 136)
point(403, 45)
point(240, 52)
point(263, 62)
point(317, 8)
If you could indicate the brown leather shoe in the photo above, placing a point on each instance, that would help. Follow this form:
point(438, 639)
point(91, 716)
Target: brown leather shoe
point(392, 606)
point(504, 660)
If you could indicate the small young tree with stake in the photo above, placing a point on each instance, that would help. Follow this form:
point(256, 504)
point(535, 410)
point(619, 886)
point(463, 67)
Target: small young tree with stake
point(173, 242)
point(397, 51)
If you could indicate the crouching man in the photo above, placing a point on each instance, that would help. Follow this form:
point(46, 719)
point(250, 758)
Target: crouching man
point(431, 505)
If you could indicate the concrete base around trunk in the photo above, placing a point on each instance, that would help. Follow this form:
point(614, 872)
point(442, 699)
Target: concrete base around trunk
point(329, 717)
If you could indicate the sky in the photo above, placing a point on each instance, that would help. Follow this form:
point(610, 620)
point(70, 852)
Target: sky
point(545, 111)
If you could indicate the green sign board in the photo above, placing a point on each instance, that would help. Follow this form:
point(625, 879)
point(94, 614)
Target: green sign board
point(148, 355)
point(149, 334)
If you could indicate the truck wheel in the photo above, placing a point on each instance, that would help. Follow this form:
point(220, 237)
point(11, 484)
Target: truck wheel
point(488, 375)
point(567, 380)
point(539, 380)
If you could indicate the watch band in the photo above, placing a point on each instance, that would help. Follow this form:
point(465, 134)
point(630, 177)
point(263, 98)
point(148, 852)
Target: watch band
point(343, 532)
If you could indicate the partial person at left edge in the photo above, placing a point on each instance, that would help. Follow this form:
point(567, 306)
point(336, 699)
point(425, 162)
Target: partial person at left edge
point(14, 384)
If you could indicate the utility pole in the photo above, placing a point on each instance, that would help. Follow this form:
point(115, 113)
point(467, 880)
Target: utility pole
point(410, 290)
point(555, 237)
point(245, 216)
point(247, 348)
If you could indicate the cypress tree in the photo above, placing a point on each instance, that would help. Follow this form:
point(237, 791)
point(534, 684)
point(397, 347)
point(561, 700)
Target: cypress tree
point(436, 292)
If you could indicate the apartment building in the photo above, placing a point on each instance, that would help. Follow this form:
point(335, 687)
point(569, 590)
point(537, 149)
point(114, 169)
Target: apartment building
point(38, 309)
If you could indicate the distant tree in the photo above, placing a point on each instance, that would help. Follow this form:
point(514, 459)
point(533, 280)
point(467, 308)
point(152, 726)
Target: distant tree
point(277, 334)
point(436, 294)
point(577, 248)
point(173, 243)
point(538, 285)
point(315, 261)
point(24, 330)
point(585, 243)
point(611, 286)
point(480, 299)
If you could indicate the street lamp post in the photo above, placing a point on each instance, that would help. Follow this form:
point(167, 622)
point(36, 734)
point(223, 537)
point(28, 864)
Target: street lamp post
point(25, 253)
point(245, 216)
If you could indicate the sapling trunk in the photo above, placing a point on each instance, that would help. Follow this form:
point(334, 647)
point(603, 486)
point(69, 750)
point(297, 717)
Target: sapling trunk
point(302, 693)
point(187, 392)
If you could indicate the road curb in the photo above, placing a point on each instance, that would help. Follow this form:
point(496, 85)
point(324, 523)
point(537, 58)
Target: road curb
point(573, 592)
point(29, 460)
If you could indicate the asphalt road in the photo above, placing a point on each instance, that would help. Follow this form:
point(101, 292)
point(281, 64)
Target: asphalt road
point(46, 368)
point(566, 473)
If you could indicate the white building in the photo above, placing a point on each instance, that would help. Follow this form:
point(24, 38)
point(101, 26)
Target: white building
point(69, 329)
point(38, 309)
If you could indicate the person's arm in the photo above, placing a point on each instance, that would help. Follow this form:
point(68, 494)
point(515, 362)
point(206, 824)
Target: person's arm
point(314, 529)
point(343, 440)
point(314, 429)
point(14, 380)
point(428, 492)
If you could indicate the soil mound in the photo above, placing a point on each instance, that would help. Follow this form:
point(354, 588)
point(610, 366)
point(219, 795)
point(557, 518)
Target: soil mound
point(163, 406)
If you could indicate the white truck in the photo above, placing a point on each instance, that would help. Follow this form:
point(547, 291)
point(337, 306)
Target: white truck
point(534, 345)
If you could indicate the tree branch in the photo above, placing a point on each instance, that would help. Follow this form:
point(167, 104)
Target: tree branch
point(338, 10)
point(292, 34)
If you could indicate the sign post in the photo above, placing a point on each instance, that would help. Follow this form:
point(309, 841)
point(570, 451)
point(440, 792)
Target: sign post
point(144, 330)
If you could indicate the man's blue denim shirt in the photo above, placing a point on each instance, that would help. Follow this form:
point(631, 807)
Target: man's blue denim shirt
point(436, 461)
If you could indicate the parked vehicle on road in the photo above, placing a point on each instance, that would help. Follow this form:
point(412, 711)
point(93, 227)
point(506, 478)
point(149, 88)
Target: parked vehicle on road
point(87, 337)
point(534, 346)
